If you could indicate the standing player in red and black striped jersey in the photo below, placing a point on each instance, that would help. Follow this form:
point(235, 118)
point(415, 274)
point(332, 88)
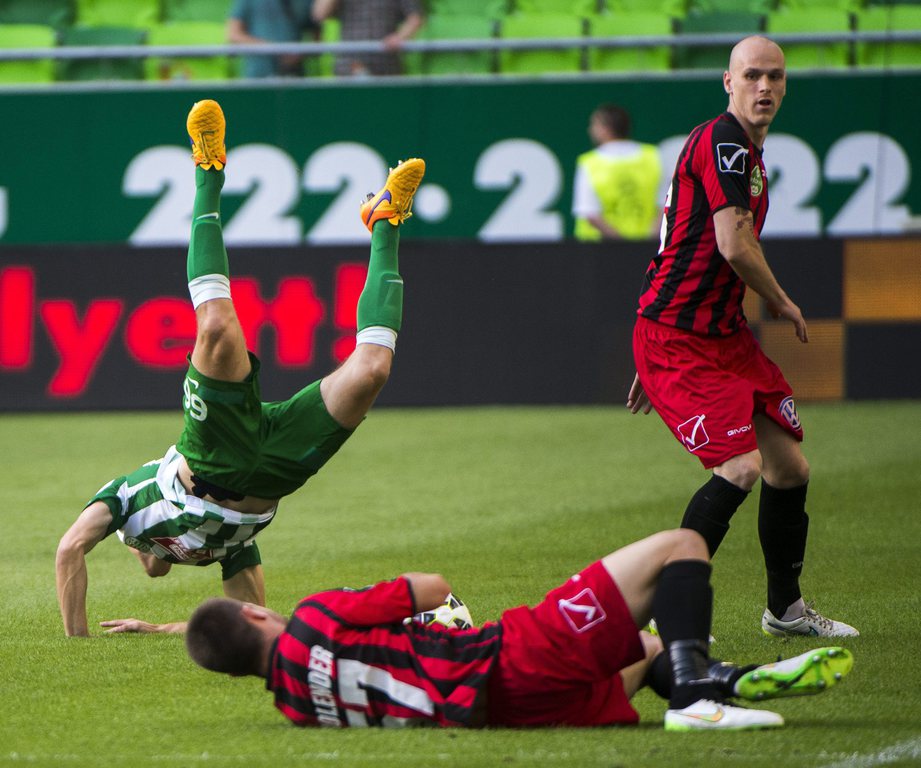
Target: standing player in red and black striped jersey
point(348, 658)
point(698, 363)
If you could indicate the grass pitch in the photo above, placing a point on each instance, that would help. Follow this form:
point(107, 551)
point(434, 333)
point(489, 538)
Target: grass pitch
point(507, 503)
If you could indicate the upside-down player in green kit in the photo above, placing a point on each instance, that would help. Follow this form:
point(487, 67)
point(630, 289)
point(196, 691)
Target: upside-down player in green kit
point(206, 499)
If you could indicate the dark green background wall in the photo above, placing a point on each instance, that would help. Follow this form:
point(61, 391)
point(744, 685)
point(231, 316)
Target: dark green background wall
point(111, 166)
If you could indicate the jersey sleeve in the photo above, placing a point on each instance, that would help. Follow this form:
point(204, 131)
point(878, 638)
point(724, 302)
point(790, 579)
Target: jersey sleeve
point(723, 166)
point(388, 602)
point(111, 495)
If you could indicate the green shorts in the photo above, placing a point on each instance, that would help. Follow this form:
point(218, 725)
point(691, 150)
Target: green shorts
point(234, 440)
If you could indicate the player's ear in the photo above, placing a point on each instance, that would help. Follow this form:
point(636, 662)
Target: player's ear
point(254, 613)
point(727, 82)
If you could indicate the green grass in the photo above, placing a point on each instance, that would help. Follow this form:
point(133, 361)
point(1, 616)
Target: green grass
point(507, 503)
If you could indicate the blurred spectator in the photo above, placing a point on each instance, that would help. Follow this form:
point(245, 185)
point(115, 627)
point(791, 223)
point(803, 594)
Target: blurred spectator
point(615, 195)
point(391, 21)
point(271, 21)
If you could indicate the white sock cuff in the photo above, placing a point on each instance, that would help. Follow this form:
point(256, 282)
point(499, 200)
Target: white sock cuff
point(377, 334)
point(208, 287)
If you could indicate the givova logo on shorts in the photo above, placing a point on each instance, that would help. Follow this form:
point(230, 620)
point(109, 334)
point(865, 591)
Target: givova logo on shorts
point(692, 433)
point(194, 405)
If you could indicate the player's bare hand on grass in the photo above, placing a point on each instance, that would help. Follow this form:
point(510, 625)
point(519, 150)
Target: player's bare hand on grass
point(143, 627)
point(637, 399)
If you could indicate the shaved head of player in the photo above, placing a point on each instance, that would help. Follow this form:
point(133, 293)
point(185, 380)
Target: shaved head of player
point(756, 82)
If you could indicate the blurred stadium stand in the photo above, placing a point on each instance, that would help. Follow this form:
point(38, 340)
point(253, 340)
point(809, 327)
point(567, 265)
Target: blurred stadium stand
point(43, 41)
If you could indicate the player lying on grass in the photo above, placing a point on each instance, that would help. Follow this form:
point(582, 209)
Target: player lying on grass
point(346, 657)
point(208, 497)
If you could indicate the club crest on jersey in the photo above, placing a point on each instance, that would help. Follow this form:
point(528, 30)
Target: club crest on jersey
point(787, 409)
point(583, 611)
point(693, 434)
point(731, 158)
point(756, 181)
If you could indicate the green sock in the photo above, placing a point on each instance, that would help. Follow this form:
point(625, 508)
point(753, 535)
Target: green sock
point(207, 268)
point(207, 255)
point(381, 301)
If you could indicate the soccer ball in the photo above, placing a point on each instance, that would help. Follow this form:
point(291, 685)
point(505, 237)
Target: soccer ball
point(452, 614)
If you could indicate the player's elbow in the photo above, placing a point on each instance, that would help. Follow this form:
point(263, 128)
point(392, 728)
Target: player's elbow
point(429, 589)
point(69, 549)
point(734, 252)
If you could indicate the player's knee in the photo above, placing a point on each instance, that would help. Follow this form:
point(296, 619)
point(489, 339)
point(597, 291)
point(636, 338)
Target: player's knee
point(791, 474)
point(213, 328)
point(374, 370)
point(742, 471)
point(690, 545)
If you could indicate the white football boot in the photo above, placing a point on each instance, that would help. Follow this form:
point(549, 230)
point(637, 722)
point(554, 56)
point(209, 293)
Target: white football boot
point(811, 623)
point(706, 715)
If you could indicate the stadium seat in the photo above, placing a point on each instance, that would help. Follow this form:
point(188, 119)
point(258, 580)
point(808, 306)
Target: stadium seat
point(457, 28)
point(196, 10)
point(101, 69)
point(575, 7)
point(118, 13)
point(731, 6)
point(27, 36)
point(840, 5)
point(630, 24)
point(676, 9)
point(550, 25)
point(47, 13)
point(188, 67)
point(490, 9)
point(810, 55)
point(713, 56)
point(889, 54)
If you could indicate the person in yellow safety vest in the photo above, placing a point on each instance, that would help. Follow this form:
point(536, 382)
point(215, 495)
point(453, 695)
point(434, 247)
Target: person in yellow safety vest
point(616, 190)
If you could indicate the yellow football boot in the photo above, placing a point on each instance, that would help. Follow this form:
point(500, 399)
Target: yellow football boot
point(395, 200)
point(206, 127)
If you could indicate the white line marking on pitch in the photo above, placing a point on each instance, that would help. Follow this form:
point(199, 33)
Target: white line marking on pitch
point(904, 750)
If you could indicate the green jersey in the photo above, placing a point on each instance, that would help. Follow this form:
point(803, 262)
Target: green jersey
point(152, 512)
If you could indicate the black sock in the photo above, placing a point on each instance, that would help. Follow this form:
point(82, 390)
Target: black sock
point(659, 676)
point(683, 607)
point(782, 527)
point(711, 509)
point(722, 674)
point(725, 675)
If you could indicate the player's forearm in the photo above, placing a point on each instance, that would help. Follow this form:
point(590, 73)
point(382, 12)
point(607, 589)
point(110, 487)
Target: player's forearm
point(736, 240)
point(71, 581)
point(750, 265)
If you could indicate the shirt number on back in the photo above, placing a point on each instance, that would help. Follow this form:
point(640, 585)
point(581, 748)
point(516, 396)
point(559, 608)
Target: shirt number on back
point(355, 677)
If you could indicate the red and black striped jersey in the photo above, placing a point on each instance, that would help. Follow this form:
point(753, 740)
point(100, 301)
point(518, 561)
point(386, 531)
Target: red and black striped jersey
point(347, 659)
point(689, 284)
